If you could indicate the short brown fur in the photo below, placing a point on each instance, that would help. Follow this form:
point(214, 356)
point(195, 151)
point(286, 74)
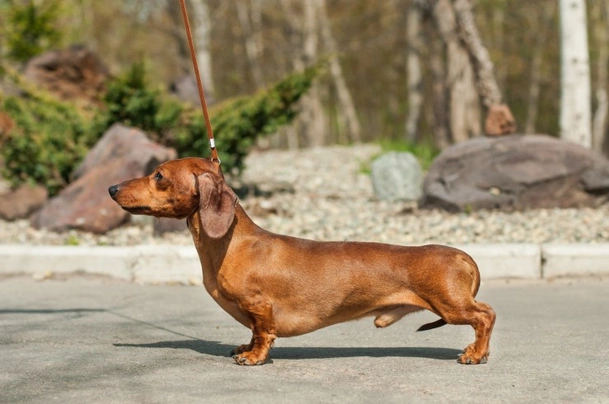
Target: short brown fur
point(281, 286)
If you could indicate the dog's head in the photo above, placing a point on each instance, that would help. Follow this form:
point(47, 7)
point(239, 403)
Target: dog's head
point(178, 189)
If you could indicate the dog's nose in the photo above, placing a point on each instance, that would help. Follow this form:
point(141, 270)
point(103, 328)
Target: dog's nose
point(113, 190)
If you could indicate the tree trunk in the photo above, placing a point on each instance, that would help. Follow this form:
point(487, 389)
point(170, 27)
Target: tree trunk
point(347, 116)
point(414, 74)
point(202, 40)
point(575, 74)
point(543, 20)
point(248, 13)
point(309, 128)
point(312, 115)
point(464, 103)
point(177, 32)
point(599, 124)
point(499, 41)
point(499, 119)
point(440, 121)
point(291, 14)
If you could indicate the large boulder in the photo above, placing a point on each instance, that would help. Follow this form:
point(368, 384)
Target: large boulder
point(122, 153)
point(19, 203)
point(515, 173)
point(71, 74)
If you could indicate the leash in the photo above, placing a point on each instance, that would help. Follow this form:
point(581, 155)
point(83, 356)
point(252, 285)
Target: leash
point(193, 56)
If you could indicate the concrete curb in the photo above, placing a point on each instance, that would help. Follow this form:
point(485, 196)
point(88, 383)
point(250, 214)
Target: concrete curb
point(142, 264)
point(180, 264)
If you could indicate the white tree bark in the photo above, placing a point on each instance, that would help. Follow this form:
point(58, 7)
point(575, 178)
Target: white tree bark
point(464, 104)
point(249, 18)
point(542, 19)
point(312, 116)
point(599, 122)
point(177, 32)
point(347, 114)
point(481, 60)
point(202, 39)
point(414, 73)
point(575, 106)
point(441, 126)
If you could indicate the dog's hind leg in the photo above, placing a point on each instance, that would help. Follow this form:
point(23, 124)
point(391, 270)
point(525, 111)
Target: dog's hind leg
point(481, 317)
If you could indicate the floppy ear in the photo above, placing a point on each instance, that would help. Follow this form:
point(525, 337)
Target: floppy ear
point(216, 205)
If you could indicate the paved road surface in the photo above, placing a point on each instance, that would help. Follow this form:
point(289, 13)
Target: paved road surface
point(94, 340)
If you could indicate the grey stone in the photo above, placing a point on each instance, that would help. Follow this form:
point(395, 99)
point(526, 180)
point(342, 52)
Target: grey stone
point(397, 176)
point(516, 173)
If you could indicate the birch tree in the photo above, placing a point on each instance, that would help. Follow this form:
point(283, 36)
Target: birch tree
point(250, 19)
point(499, 119)
point(310, 128)
point(575, 109)
point(463, 103)
point(542, 19)
point(347, 114)
point(202, 39)
point(414, 73)
point(601, 32)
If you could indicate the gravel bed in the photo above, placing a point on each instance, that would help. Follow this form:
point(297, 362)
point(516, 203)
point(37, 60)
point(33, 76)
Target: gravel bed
point(323, 194)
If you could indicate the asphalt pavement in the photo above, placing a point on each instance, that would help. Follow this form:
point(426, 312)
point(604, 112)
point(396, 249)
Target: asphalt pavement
point(91, 339)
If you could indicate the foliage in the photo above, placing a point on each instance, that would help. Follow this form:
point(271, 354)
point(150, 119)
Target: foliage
point(131, 100)
point(238, 122)
point(49, 138)
point(52, 137)
point(29, 28)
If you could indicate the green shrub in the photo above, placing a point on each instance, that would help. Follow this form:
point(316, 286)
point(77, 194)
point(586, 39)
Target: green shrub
point(49, 139)
point(52, 137)
point(28, 28)
point(132, 101)
point(238, 122)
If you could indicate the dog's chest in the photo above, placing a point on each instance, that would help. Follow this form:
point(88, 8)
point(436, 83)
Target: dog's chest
point(227, 305)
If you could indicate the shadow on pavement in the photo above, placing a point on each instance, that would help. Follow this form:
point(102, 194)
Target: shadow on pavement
point(218, 349)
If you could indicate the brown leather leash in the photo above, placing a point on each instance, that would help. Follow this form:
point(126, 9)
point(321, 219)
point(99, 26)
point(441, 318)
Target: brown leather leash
point(210, 134)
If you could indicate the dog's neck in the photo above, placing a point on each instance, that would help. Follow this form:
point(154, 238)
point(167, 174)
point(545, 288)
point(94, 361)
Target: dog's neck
point(213, 251)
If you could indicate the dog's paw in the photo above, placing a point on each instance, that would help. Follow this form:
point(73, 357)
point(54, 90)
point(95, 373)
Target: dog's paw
point(468, 358)
point(249, 359)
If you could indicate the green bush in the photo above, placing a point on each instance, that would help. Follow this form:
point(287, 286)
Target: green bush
point(49, 139)
point(29, 29)
point(237, 123)
point(52, 137)
point(132, 101)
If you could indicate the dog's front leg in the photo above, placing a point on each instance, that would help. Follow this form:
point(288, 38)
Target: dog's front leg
point(263, 335)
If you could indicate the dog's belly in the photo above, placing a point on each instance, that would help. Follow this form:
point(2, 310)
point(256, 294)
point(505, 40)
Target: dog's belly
point(292, 322)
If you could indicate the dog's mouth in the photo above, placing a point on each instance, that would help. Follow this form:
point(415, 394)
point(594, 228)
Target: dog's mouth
point(138, 210)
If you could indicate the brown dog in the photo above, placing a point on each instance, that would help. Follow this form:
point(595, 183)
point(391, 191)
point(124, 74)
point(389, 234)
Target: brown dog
point(281, 286)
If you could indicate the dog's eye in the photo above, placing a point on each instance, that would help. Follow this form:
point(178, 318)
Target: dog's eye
point(158, 176)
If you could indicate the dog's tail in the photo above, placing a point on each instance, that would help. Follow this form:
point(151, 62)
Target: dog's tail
point(431, 326)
